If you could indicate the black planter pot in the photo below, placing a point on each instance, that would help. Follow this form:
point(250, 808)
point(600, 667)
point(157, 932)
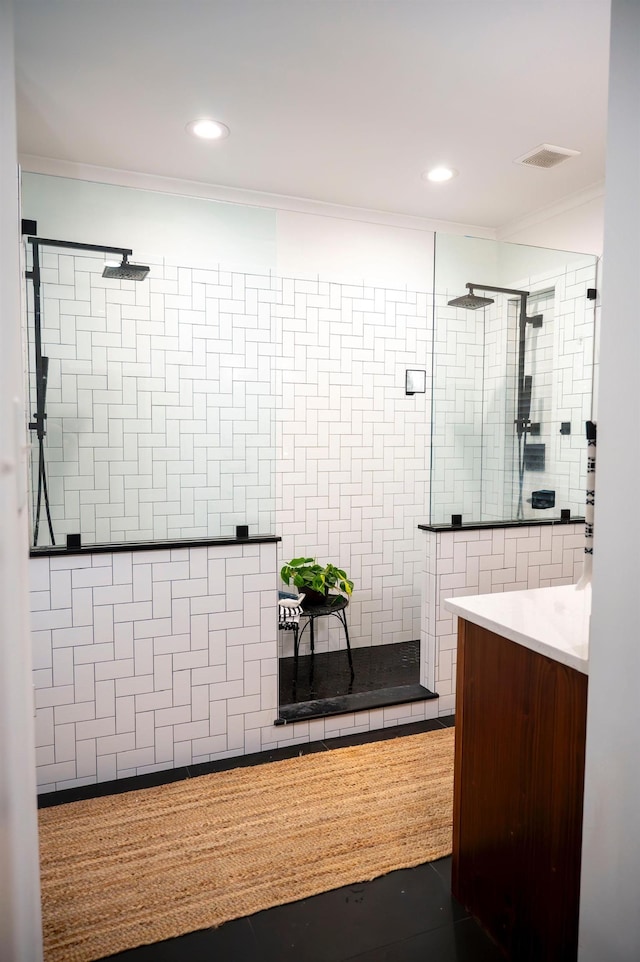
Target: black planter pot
point(313, 598)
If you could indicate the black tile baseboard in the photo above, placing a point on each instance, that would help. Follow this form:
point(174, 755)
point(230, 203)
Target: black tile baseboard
point(153, 779)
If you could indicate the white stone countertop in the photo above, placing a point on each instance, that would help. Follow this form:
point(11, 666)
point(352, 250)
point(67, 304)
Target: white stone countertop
point(552, 621)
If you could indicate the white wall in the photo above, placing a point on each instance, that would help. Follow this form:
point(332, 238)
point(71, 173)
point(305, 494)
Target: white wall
point(609, 918)
point(354, 252)
point(20, 926)
point(187, 231)
point(578, 225)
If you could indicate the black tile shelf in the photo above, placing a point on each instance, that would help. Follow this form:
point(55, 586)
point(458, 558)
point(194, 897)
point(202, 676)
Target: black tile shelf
point(56, 550)
point(483, 525)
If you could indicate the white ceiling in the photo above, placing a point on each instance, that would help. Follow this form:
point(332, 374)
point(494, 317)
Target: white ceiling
point(342, 101)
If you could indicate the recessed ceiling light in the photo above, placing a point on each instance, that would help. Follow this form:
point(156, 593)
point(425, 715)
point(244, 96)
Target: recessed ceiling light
point(438, 175)
point(208, 129)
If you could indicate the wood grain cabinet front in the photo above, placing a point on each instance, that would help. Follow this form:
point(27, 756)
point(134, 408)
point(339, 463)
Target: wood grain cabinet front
point(518, 793)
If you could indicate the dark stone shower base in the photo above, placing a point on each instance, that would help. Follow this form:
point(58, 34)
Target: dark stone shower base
point(384, 675)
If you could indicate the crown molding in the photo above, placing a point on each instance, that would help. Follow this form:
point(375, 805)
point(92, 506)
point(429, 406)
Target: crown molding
point(233, 195)
point(568, 203)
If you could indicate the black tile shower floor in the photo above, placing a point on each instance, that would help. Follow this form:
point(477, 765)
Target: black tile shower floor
point(383, 675)
point(327, 675)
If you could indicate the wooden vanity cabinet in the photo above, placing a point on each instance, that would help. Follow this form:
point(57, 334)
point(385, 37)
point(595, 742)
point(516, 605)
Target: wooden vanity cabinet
point(518, 794)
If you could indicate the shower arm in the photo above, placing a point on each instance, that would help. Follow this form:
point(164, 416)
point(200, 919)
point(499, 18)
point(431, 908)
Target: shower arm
point(522, 418)
point(39, 418)
point(74, 245)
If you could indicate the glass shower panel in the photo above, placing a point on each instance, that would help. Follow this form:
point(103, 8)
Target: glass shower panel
point(512, 381)
point(457, 436)
point(559, 360)
point(159, 402)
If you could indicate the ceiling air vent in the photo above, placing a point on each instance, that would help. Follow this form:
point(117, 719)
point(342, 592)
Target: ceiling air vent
point(546, 156)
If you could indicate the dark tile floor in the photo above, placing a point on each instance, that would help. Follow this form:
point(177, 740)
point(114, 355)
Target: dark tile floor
point(327, 674)
point(383, 675)
point(405, 916)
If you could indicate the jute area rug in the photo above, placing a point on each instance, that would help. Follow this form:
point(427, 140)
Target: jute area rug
point(136, 868)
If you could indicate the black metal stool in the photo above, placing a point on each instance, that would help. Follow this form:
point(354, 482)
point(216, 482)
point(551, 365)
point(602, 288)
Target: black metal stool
point(334, 605)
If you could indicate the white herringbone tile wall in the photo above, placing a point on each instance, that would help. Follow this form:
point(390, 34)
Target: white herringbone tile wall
point(160, 401)
point(351, 484)
point(156, 659)
point(483, 561)
point(151, 659)
point(183, 405)
point(205, 398)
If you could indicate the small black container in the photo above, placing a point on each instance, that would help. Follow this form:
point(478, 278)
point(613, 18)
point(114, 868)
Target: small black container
point(543, 499)
point(242, 531)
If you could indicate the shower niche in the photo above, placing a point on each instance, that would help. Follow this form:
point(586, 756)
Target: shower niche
point(513, 369)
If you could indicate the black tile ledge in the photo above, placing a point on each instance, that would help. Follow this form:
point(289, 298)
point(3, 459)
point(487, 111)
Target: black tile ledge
point(57, 550)
point(361, 701)
point(482, 525)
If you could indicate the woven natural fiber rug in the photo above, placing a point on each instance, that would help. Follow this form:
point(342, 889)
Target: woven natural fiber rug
point(136, 868)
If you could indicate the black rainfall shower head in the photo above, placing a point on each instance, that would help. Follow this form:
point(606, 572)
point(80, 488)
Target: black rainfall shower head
point(125, 271)
point(471, 301)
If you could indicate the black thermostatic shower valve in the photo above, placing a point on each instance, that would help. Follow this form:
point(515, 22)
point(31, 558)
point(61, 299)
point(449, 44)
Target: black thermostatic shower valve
point(592, 293)
point(565, 427)
point(543, 499)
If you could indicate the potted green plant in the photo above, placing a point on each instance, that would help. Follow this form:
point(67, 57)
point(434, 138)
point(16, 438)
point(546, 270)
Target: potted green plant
point(315, 581)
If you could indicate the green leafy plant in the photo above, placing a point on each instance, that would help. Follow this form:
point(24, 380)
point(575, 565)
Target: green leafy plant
point(307, 574)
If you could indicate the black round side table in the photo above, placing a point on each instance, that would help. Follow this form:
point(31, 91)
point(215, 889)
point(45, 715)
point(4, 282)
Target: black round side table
point(334, 605)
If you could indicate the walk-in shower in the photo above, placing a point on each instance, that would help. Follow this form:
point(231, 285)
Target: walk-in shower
point(522, 420)
point(38, 422)
point(512, 382)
